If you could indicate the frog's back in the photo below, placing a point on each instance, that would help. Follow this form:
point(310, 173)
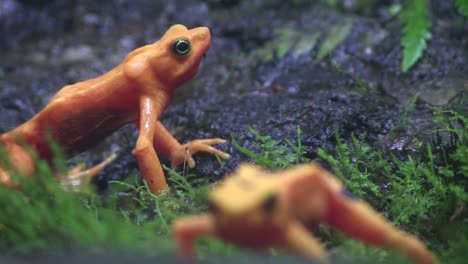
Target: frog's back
point(81, 115)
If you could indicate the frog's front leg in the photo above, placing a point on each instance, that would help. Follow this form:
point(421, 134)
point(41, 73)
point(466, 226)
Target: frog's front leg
point(180, 153)
point(148, 162)
point(299, 239)
point(186, 230)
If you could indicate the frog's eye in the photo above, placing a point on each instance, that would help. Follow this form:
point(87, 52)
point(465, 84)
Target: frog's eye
point(181, 47)
point(269, 204)
point(212, 208)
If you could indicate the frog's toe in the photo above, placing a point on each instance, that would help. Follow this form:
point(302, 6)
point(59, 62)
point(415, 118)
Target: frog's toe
point(78, 178)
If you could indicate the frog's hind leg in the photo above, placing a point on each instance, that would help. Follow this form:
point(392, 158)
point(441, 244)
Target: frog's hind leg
point(5, 178)
point(16, 160)
point(78, 178)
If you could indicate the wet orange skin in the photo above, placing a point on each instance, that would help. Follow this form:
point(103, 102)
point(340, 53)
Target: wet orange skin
point(136, 91)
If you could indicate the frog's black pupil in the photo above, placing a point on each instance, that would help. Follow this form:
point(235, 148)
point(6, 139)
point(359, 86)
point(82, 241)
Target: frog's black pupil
point(181, 46)
point(269, 203)
point(211, 207)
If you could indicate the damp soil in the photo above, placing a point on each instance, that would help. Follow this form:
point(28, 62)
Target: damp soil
point(262, 71)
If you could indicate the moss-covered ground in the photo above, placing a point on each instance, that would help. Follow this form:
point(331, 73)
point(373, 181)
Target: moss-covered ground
point(424, 195)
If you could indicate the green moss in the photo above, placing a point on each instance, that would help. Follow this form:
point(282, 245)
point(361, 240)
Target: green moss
point(350, 164)
point(273, 154)
point(420, 195)
point(424, 195)
point(44, 217)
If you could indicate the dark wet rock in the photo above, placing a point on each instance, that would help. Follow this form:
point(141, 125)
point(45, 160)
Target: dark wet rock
point(222, 3)
point(320, 114)
point(36, 3)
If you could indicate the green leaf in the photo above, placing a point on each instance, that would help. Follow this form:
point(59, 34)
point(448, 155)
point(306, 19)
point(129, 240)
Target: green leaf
point(462, 6)
point(459, 192)
point(332, 2)
point(416, 26)
point(335, 36)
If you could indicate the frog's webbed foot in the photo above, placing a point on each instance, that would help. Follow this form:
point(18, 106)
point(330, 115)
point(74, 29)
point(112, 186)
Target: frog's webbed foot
point(185, 152)
point(78, 178)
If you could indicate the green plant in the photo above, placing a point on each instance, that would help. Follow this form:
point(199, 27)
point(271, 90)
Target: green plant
point(352, 166)
point(273, 154)
point(287, 40)
point(44, 217)
point(462, 6)
point(414, 16)
point(300, 42)
point(335, 36)
point(356, 77)
point(456, 124)
point(416, 31)
point(420, 193)
point(409, 108)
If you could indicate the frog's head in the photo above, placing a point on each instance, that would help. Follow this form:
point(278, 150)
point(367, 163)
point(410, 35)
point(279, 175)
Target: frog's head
point(251, 196)
point(179, 53)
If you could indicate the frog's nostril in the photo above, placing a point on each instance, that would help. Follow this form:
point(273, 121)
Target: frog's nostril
point(203, 32)
point(202, 35)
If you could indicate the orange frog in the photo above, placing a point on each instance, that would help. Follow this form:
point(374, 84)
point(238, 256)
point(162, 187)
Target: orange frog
point(136, 91)
point(254, 209)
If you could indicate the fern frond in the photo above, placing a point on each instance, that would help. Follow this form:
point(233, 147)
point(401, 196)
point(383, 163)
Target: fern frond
point(462, 6)
point(335, 37)
point(416, 26)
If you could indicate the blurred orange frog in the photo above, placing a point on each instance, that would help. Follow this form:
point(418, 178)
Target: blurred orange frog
point(136, 91)
point(257, 209)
